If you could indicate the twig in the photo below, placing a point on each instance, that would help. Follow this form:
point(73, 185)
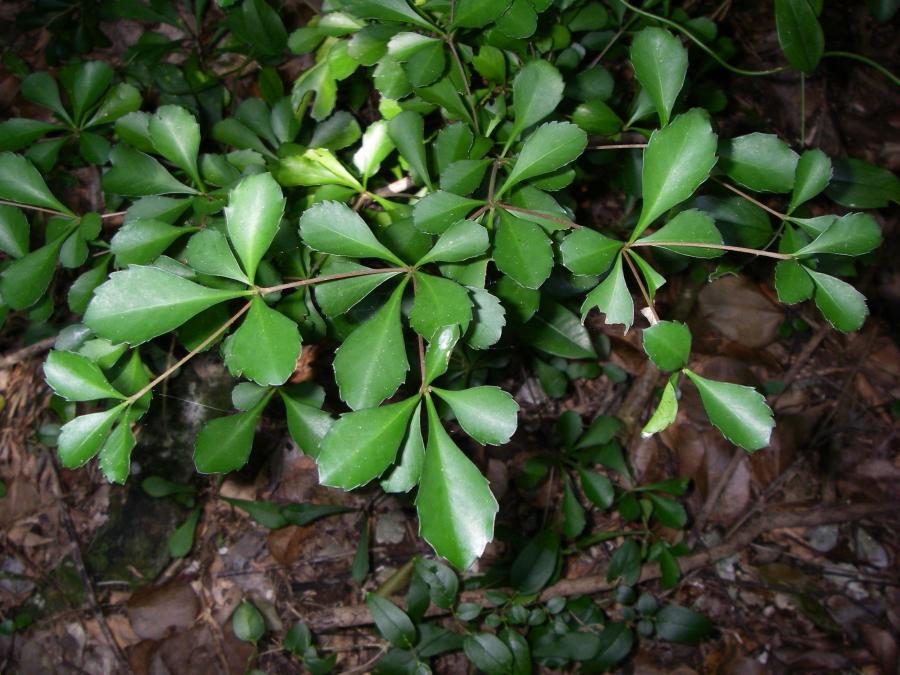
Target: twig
point(39, 347)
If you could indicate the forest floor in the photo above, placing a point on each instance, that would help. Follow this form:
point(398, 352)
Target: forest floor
point(819, 595)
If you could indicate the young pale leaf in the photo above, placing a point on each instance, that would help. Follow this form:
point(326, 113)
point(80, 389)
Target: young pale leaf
point(307, 424)
point(25, 280)
point(438, 302)
point(487, 414)
point(761, 162)
point(115, 456)
point(522, 251)
point(208, 252)
point(853, 235)
point(175, 135)
point(792, 282)
point(254, 211)
point(315, 166)
point(333, 227)
point(586, 251)
point(549, 147)
point(81, 439)
point(376, 145)
point(460, 241)
point(140, 242)
point(21, 182)
point(135, 174)
point(77, 378)
point(362, 444)
point(391, 621)
point(739, 412)
point(137, 304)
point(660, 64)
point(265, 348)
point(371, 363)
point(666, 410)
point(690, 227)
point(455, 504)
point(437, 356)
point(224, 444)
point(812, 175)
point(677, 161)
point(612, 297)
point(668, 344)
point(407, 131)
point(799, 33)
point(842, 305)
point(437, 211)
point(537, 90)
point(557, 331)
point(404, 476)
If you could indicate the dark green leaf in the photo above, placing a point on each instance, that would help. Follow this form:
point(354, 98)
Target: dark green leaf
point(438, 302)
point(660, 64)
point(82, 438)
point(488, 653)
point(549, 147)
point(407, 132)
point(392, 622)
point(761, 162)
point(799, 33)
point(668, 344)
point(522, 251)
point(586, 251)
point(842, 305)
point(182, 540)
point(693, 227)
point(558, 331)
point(20, 182)
point(572, 512)
point(265, 347)
point(812, 176)
point(536, 563)
point(537, 90)
point(135, 174)
point(853, 235)
point(224, 444)
point(488, 414)
point(682, 625)
point(859, 185)
point(625, 563)
point(332, 227)
point(612, 298)
point(739, 412)
point(115, 455)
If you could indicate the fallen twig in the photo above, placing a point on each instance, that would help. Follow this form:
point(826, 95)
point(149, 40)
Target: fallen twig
point(39, 347)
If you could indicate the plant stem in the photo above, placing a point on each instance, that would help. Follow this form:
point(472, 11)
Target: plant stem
point(690, 36)
point(640, 283)
point(539, 214)
point(115, 214)
point(462, 74)
point(777, 214)
point(869, 62)
point(36, 208)
point(330, 277)
point(191, 354)
point(718, 247)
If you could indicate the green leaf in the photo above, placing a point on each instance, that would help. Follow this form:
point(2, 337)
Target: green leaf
point(315, 166)
point(362, 444)
point(371, 363)
point(82, 438)
point(667, 511)
point(247, 622)
point(487, 414)
point(519, 21)
point(536, 563)
point(24, 281)
point(20, 182)
point(792, 282)
point(812, 175)
point(115, 456)
point(677, 161)
point(391, 621)
point(265, 348)
point(488, 321)
point(614, 645)
point(598, 488)
point(595, 117)
point(612, 298)
point(549, 147)
point(537, 90)
point(388, 10)
point(653, 279)
point(298, 639)
point(682, 625)
point(691, 226)
point(522, 251)
point(572, 512)
point(488, 653)
point(440, 347)
point(261, 27)
point(842, 305)
point(340, 296)
point(333, 227)
point(438, 302)
point(761, 162)
point(307, 424)
point(587, 251)
point(405, 475)
point(253, 215)
point(118, 102)
point(208, 252)
point(19, 132)
point(799, 34)
point(85, 83)
point(668, 344)
point(438, 210)
point(852, 235)
point(175, 135)
point(859, 185)
point(625, 563)
point(42, 89)
point(660, 65)
point(182, 540)
point(77, 378)
point(137, 304)
point(460, 241)
point(464, 176)
point(224, 444)
point(455, 504)
point(666, 410)
point(267, 514)
point(14, 231)
point(557, 331)
point(407, 132)
point(443, 584)
point(476, 13)
point(135, 174)
point(140, 241)
point(739, 412)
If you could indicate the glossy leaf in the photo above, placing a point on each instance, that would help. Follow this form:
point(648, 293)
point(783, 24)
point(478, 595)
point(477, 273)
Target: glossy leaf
point(488, 653)
point(477, 13)
point(405, 475)
point(761, 162)
point(739, 412)
point(455, 504)
point(666, 410)
point(140, 242)
point(668, 344)
point(20, 132)
point(208, 252)
point(14, 231)
point(682, 625)
point(362, 444)
point(20, 182)
point(812, 175)
point(549, 147)
point(537, 90)
point(522, 251)
point(842, 305)
point(407, 132)
point(799, 33)
point(557, 331)
point(438, 302)
point(612, 298)
point(307, 424)
point(860, 185)
point(175, 135)
point(135, 174)
point(440, 348)
point(438, 210)
point(597, 487)
point(332, 227)
point(224, 444)
point(460, 241)
point(587, 251)
point(852, 235)
point(24, 281)
point(536, 563)
point(265, 348)
point(693, 227)
point(660, 63)
point(254, 211)
point(391, 621)
point(77, 378)
point(487, 414)
point(82, 438)
point(572, 511)
point(115, 455)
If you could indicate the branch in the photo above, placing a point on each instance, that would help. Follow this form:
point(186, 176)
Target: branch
point(24, 353)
